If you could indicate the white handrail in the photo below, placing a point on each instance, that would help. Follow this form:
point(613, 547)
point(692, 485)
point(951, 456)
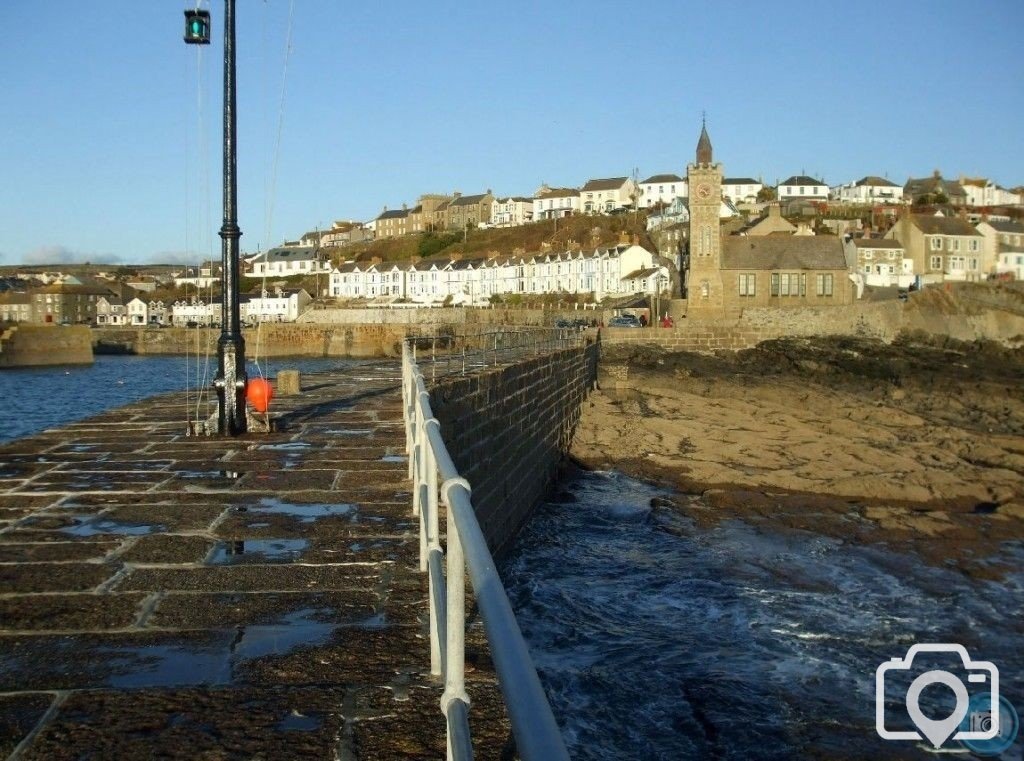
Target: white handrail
point(533, 724)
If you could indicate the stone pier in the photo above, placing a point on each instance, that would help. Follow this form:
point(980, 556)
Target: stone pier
point(167, 596)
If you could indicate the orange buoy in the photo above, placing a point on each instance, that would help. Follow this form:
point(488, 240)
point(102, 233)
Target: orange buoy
point(259, 392)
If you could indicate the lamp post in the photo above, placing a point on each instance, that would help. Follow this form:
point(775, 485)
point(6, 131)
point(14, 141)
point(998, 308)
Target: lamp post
point(230, 381)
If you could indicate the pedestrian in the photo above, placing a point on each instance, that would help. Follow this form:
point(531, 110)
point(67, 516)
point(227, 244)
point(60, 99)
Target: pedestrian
point(643, 321)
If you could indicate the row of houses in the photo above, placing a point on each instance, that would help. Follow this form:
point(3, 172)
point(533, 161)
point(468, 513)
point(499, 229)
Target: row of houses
point(87, 305)
point(624, 269)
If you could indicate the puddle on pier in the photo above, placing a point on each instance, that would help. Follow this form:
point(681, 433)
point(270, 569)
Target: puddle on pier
point(297, 722)
point(304, 513)
point(289, 446)
point(213, 662)
point(394, 458)
point(240, 551)
point(349, 431)
point(91, 526)
point(211, 474)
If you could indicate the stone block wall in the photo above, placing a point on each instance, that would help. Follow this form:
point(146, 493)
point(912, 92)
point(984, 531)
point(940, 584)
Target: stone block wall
point(508, 429)
point(38, 345)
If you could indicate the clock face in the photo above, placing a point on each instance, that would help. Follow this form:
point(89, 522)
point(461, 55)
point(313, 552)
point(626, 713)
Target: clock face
point(703, 190)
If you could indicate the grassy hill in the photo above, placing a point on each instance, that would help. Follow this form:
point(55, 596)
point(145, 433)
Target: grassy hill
point(571, 232)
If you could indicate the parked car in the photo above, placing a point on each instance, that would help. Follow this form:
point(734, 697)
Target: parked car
point(624, 321)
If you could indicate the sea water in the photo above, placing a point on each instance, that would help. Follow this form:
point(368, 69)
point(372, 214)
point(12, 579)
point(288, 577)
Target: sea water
point(658, 639)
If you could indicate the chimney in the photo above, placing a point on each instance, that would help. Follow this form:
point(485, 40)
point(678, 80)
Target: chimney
point(405, 207)
point(456, 194)
point(375, 260)
point(488, 192)
point(636, 239)
point(623, 238)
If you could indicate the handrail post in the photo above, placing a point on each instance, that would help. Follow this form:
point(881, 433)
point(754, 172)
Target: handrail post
point(455, 652)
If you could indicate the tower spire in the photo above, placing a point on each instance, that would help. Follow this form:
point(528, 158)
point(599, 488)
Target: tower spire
point(704, 144)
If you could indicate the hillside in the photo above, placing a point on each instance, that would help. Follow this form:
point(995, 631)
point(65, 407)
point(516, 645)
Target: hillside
point(571, 232)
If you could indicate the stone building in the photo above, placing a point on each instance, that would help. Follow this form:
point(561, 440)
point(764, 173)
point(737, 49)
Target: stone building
point(726, 274)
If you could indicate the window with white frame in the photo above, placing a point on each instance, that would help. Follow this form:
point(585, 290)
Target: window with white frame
point(936, 243)
point(747, 284)
point(974, 244)
point(935, 263)
point(824, 285)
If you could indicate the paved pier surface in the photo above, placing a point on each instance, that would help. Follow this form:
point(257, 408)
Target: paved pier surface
point(165, 596)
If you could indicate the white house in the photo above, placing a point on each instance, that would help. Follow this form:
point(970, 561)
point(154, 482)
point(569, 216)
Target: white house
point(869, 190)
point(184, 313)
point(741, 189)
point(290, 260)
point(281, 305)
point(999, 236)
point(803, 188)
point(603, 196)
point(137, 312)
point(551, 203)
point(662, 189)
point(983, 192)
point(1011, 261)
point(514, 210)
point(203, 276)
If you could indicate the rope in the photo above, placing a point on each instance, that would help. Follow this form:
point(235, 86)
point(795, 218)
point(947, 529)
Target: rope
point(272, 190)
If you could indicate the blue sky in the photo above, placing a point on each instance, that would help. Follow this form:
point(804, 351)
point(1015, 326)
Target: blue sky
point(110, 128)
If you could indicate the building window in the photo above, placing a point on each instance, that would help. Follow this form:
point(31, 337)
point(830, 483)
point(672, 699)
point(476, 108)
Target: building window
point(775, 284)
point(868, 256)
point(784, 284)
point(824, 285)
point(974, 245)
point(936, 243)
point(935, 263)
point(972, 264)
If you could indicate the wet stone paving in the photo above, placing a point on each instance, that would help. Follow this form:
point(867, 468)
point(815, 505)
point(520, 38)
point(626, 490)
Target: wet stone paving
point(258, 597)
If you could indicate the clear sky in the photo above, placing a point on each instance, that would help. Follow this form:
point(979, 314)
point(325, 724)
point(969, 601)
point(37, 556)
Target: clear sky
point(110, 130)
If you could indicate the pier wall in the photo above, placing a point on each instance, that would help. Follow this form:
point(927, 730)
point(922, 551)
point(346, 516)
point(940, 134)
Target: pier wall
point(954, 314)
point(508, 430)
point(38, 345)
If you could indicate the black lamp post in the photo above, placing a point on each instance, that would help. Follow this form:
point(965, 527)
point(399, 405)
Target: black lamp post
point(230, 380)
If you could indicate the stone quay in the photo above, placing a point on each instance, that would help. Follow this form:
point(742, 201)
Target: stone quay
point(174, 596)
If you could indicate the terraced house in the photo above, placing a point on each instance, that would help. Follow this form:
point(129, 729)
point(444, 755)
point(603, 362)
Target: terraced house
point(942, 248)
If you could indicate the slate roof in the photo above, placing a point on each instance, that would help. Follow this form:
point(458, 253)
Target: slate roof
point(610, 183)
point(873, 180)
point(558, 193)
point(662, 178)
point(394, 214)
point(801, 179)
point(933, 184)
point(1007, 227)
point(469, 200)
point(640, 274)
point(290, 253)
point(877, 243)
point(813, 252)
point(932, 225)
point(740, 181)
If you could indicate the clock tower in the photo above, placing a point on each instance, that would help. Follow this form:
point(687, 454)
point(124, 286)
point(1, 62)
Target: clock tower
point(704, 275)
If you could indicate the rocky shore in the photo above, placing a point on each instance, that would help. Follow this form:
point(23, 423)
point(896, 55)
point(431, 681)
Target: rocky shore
point(917, 444)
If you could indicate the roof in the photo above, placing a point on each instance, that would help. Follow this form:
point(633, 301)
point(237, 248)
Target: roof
point(874, 180)
point(932, 225)
point(1006, 227)
point(801, 179)
point(558, 193)
point(393, 214)
point(663, 178)
point(877, 243)
point(610, 183)
point(813, 252)
point(704, 146)
point(641, 273)
point(933, 184)
point(291, 253)
point(1012, 250)
point(470, 200)
point(740, 181)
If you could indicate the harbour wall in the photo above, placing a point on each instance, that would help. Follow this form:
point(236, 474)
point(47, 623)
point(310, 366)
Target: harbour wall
point(956, 314)
point(508, 430)
point(40, 345)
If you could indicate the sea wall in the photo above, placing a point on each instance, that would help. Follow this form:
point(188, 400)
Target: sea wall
point(933, 311)
point(270, 340)
point(508, 430)
point(438, 316)
point(36, 345)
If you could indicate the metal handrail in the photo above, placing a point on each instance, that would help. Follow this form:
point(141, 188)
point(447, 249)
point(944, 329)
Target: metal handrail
point(434, 475)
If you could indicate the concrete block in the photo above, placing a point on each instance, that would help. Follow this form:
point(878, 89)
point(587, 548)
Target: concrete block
point(288, 383)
